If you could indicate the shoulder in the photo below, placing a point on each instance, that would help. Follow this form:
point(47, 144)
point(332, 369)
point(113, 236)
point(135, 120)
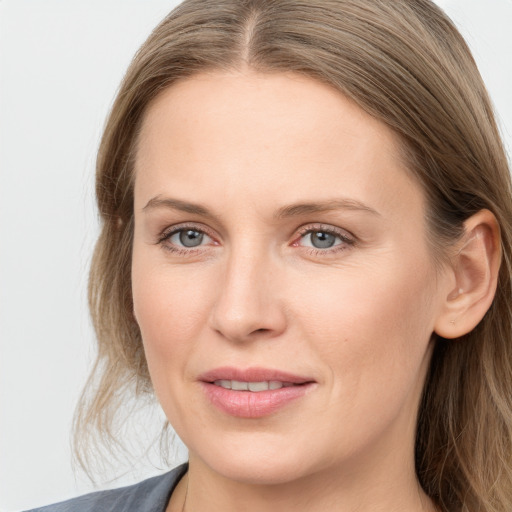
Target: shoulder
point(151, 495)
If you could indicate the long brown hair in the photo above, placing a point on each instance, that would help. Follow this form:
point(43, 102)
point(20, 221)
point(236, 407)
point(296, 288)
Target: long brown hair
point(404, 62)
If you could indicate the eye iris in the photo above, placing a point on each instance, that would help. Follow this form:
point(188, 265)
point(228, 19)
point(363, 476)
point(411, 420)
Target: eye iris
point(191, 238)
point(322, 240)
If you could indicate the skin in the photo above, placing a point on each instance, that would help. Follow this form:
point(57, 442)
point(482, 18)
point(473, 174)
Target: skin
point(357, 318)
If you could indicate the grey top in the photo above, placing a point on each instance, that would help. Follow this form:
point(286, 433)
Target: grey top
point(151, 495)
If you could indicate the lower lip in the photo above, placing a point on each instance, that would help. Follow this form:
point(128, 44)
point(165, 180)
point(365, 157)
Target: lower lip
point(250, 404)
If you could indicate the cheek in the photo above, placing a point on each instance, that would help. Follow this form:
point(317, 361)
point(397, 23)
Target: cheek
point(375, 323)
point(169, 306)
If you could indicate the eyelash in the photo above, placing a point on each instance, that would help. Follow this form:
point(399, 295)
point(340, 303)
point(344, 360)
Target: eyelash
point(346, 239)
point(180, 251)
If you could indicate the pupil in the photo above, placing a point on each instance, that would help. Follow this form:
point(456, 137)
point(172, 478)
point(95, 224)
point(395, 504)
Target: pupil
point(322, 240)
point(191, 238)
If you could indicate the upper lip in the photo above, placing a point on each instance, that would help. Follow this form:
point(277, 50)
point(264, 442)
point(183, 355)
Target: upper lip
point(253, 374)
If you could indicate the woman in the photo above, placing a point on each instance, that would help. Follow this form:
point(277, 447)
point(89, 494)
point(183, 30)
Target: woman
point(306, 256)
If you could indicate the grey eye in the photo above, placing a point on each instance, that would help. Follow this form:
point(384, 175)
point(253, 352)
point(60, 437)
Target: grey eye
point(322, 240)
point(319, 239)
point(187, 238)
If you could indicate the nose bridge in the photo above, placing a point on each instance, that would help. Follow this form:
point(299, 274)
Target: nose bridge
point(246, 302)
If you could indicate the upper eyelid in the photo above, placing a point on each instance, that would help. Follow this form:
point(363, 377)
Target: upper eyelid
point(171, 230)
point(315, 226)
point(343, 234)
point(324, 227)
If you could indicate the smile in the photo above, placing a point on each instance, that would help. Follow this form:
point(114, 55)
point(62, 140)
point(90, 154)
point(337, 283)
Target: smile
point(253, 392)
point(255, 387)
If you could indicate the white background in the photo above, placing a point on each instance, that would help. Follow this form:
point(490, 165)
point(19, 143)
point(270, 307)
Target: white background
point(60, 64)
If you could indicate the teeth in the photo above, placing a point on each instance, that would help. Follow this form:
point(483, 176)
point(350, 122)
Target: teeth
point(258, 386)
point(255, 387)
point(239, 386)
point(223, 383)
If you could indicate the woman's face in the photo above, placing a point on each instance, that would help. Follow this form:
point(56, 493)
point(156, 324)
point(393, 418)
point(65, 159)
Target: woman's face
point(279, 241)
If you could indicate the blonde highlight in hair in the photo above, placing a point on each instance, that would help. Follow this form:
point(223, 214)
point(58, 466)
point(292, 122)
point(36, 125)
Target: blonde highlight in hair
point(403, 62)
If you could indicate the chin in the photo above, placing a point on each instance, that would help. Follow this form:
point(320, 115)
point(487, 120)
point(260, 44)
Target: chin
point(260, 472)
point(260, 461)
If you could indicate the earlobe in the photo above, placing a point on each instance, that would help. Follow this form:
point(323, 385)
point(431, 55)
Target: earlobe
point(474, 276)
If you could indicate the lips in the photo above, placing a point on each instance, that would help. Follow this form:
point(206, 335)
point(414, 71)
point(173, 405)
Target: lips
point(253, 392)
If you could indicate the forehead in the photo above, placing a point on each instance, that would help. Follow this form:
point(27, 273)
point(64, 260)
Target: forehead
point(288, 103)
point(252, 134)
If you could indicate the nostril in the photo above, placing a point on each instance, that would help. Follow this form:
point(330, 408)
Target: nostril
point(260, 331)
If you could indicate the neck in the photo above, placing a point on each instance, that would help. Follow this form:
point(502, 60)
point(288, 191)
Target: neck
point(333, 489)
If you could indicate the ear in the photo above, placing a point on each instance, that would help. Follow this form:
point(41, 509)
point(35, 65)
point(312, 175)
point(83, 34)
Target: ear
point(472, 276)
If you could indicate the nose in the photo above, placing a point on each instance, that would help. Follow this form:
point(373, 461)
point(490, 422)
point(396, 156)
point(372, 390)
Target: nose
point(248, 303)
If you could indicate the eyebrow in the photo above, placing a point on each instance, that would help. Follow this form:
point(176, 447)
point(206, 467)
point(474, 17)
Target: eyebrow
point(285, 212)
point(298, 209)
point(176, 204)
